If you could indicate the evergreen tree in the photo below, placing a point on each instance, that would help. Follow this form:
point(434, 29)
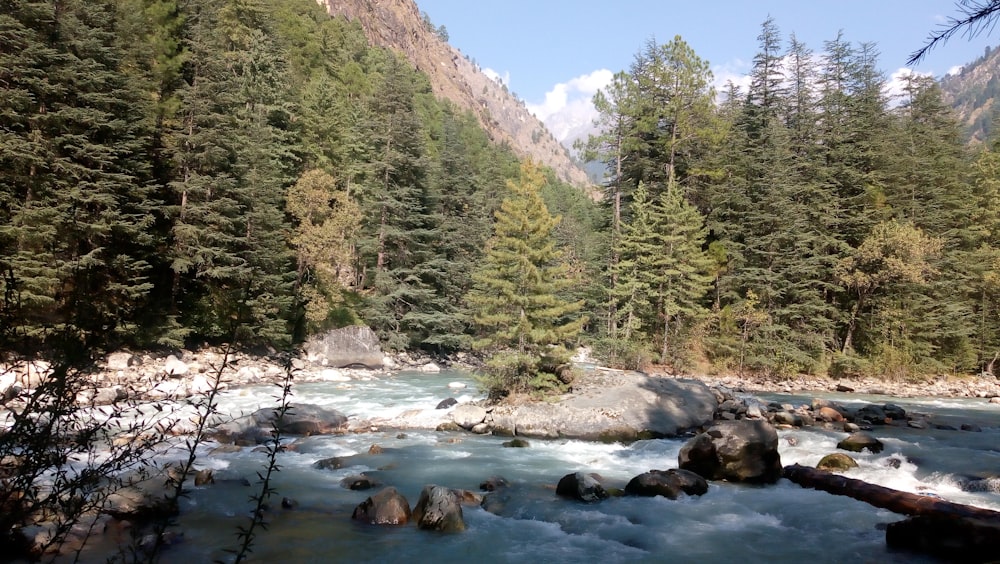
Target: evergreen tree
point(610, 147)
point(75, 226)
point(769, 215)
point(524, 326)
point(399, 227)
point(636, 249)
point(679, 269)
point(469, 198)
point(671, 109)
point(984, 261)
point(232, 262)
point(928, 186)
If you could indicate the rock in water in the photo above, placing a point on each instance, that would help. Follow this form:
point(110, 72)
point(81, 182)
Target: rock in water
point(439, 509)
point(836, 462)
point(468, 416)
point(669, 484)
point(953, 539)
point(446, 403)
point(860, 441)
point(582, 487)
point(387, 507)
point(738, 451)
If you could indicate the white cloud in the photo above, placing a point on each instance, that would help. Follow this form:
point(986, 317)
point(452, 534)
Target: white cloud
point(735, 71)
point(497, 77)
point(955, 70)
point(568, 111)
point(897, 82)
point(563, 94)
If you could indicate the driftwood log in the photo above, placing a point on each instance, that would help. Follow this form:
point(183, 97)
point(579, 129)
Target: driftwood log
point(883, 497)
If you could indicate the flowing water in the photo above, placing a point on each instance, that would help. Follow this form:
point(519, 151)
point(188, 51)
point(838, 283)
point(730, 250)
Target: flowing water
point(779, 523)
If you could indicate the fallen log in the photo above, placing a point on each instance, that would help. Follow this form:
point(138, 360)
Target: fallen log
point(882, 497)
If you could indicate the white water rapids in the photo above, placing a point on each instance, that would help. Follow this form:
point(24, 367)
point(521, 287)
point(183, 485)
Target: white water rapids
point(779, 523)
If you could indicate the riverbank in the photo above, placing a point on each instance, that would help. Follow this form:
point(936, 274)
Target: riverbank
point(984, 387)
point(166, 376)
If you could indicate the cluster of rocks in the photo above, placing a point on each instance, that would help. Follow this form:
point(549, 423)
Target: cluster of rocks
point(825, 413)
point(983, 386)
point(744, 451)
point(437, 509)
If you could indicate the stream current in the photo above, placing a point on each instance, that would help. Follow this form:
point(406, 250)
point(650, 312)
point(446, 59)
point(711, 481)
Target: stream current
point(778, 523)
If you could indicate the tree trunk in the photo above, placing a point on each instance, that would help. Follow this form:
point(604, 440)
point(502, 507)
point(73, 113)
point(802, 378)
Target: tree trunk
point(883, 497)
point(849, 338)
point(992, 363)
point(666, 336)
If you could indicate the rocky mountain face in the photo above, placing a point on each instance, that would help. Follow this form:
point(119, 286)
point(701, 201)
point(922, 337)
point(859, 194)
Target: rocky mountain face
point(974, 93)
point(398, 25)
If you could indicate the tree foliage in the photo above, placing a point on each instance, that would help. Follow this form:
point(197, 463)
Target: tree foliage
point(171, 169)
point(524, 325)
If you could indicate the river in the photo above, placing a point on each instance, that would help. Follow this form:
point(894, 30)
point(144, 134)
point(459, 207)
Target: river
point(779, 523)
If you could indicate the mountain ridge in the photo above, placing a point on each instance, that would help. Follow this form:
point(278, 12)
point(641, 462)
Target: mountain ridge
point(973, 93)
point(399, 26)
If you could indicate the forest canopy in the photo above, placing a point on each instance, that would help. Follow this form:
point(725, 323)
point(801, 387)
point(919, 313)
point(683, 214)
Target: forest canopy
point(174, 172)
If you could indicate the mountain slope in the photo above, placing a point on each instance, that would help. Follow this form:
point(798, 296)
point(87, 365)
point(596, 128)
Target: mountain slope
point(974, 92)
point(398, 25)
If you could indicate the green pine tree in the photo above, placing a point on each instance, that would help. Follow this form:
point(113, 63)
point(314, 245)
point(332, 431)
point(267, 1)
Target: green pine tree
point(233, 266)
point(524, 326)
point(680, 270)
point(76, 225)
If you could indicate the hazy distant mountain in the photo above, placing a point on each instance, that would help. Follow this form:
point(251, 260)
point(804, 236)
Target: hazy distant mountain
point(974, 93)
point(398, 25)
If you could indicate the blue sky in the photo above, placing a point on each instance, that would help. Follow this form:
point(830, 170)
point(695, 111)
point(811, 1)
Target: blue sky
point(554, 53)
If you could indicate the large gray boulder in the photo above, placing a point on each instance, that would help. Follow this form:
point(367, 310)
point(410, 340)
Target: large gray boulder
point(439, 509)
point(612, 406)
point(303, 419)
point(300, 419)
point(468, 415)
point(738, 451)
point(348, 346)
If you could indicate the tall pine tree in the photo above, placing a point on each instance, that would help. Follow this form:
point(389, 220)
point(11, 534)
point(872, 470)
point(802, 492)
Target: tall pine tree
point(524, 326)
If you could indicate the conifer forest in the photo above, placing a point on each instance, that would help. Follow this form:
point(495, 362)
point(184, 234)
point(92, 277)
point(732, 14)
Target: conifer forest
point(177, 172)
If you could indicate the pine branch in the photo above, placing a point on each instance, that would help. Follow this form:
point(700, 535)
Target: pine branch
point(976, 17)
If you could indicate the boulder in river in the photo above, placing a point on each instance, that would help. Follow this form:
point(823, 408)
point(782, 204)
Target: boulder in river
point(301, 419)
point(387, 507)
point(954, 539)
point(359, 482)
point(439, 509)
point(494, 483)
point(738, 451)
point(860, 441)
point(468, 415)
point(612, 406)
point(346, 347)
point(836, 462)
point(667, 483)
point(446, 403)
point(581, 487)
